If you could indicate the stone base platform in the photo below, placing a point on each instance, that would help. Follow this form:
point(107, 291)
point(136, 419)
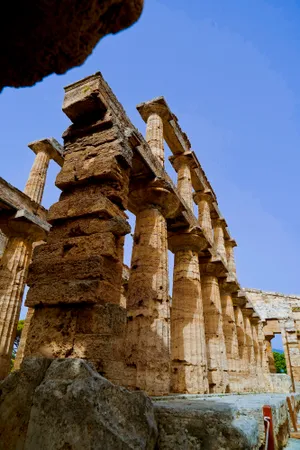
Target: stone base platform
point(217, 422)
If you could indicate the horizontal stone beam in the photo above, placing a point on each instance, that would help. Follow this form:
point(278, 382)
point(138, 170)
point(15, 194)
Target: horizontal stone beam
point(12, 200)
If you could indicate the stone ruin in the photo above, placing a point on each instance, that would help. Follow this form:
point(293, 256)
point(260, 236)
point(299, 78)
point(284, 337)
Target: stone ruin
point(83, 303)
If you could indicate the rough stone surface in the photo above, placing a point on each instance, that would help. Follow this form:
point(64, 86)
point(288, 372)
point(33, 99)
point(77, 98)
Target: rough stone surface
point(62, 35)
point(70, 406)
point(219, 422)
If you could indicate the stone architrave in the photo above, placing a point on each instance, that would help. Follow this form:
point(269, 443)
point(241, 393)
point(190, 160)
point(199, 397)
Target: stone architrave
point(215, 342)
point(77, 275)
point(204, 201)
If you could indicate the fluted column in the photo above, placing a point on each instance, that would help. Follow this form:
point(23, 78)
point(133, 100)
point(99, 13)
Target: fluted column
point(231, 341)
point(258, 372)
point(182, 164)
point(154, 136)
point(36, 182)
point(229, 247)
point(203, 201)
point(215, 341)
point(13, 272)
point(148, 332)
point(21, 348)
point(251, 353)
point(219, 242)
point(243, 349)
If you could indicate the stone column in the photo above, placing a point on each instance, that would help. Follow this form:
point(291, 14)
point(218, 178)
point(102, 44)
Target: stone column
point(291, 349)
point(231, 340)
point(13, 273)
point(215, 341)
point(45, 149)
point(188, 348)
point(17, 255)
point(229, 247)
point(270, 353)
point(252, 385)
point(258, 372)
point(243, 349)
point(219, 242)
point(20, 352)
point(3, 241)
point(154, 135)
point(204, 200)
point(148, 307)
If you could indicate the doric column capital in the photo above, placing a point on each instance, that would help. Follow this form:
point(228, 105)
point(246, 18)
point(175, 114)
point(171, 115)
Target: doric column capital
point(157, 193)
point(156, 106)
point(51, 147)
point(181, 159)
point(194, 241)
point(24, 224)
point(230, 243)
point(203, 196)
point(213, 268)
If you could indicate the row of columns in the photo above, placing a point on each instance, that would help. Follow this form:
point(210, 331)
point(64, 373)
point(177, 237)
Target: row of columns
point(16, 258)
point(214, 344)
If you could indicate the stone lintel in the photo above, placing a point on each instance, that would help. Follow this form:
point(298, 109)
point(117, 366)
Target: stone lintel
point(83, 99)
point(50, 146)
point(199, 178)
point(11, 200)
point(24, 223)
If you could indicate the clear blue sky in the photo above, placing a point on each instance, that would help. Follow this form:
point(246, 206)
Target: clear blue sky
point(230, 72)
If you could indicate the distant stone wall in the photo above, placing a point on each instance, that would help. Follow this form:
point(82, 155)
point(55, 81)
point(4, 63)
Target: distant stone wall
point(273, 305)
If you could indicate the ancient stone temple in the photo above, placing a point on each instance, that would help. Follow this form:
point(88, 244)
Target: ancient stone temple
point(200, 335)
point(96, 326)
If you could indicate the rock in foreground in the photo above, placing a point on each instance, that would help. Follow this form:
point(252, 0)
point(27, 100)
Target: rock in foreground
point(67, 405)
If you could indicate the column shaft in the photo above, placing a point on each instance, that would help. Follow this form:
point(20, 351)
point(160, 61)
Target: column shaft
point(13, 273)
point(184, 184)
point(243, 349)
point(231, 342)
point(251, 354)
point(216, 350)
point(148, 332)
point(205, 218)
point(37, 178)
point(219, 242)
point(188, 348)
point(20, 352)
point(230, 257)
point(155, 136)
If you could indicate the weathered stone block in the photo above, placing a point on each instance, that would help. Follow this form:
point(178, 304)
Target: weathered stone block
point(104, 244)
point(73, 291)
point(16, 394)
point(82, 205)
point(95, 163)
point(70, 406)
